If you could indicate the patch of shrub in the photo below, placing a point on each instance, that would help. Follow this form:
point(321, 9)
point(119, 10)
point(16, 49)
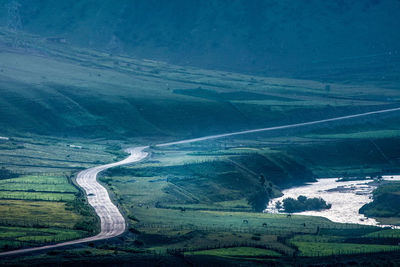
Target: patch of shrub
point(259, 200)
point(84, 225)
point(7, 174)
point(133, 218)
point(133, 230)
point(302, 203)
point(385, 203)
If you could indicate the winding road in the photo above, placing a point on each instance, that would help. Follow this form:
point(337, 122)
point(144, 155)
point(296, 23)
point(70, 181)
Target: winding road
point(112, 222)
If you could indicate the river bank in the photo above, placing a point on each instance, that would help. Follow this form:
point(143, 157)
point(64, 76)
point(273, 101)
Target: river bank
point(346, 197)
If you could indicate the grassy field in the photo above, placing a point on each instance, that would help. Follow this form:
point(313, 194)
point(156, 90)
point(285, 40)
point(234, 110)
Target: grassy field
point(189, 199)
point(242, 252)
point(38, 202)
point(200, 199)
point(51, 188)
point(18, 237)
point(384, 202)
point(37, 213)
point(172, 205)
point(75, 89)
point(40, 209)
point(310, 249)
point(32, 154)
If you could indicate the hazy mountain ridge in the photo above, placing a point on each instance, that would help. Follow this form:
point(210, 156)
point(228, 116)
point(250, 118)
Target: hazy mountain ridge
point(257, 36)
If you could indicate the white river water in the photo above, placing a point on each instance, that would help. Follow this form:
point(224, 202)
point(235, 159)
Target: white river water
point(346, 198)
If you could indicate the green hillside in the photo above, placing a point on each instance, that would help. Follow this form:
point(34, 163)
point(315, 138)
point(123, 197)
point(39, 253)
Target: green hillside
point(81, 80)
point(269, 37)
point(62, 90)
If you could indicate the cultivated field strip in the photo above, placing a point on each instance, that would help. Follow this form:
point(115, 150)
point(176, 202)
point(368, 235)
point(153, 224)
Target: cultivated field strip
point(112, 221)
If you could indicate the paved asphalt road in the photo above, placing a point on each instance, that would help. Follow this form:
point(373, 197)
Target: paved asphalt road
point(112, 222)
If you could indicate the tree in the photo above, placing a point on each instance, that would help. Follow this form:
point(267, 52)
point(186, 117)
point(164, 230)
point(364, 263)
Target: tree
point(259, 200)
point(302, 203)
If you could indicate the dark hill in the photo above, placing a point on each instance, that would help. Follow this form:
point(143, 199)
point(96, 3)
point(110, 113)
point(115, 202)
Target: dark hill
point(270, 36)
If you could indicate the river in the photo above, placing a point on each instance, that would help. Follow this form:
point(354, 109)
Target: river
point(346, 197)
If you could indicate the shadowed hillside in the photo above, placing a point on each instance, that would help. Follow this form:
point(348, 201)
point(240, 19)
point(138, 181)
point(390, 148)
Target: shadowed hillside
point(49, 88)
point(269, 37)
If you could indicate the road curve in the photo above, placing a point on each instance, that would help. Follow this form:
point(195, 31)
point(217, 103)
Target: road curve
point(112, 222)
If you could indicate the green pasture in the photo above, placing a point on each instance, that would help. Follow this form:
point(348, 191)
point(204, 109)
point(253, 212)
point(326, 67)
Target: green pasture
point(70, 99)
point(40, 209)
point(167, 200)
point(36, 196)
point(378, 134)
point(238, 252)
point(311, 249)
point(49, 155)
point(190, 196)
point(37, 213)
point(37, 235)
point(50, 188)
point(386, 233)
point(41, 183)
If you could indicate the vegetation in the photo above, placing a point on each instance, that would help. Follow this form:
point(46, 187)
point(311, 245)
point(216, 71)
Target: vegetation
point(170, 215)
point(50, 188)
point(238, 252)
point(328, 249)
point(197, 200)
point(384, 204)
point(256, 30)
point(203, 180)
point(40, 209)
point(303, 203)
point(7, 174)
point(34, 154)
point(225, 101)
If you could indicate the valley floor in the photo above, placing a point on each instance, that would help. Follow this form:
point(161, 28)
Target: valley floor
point(191, 203)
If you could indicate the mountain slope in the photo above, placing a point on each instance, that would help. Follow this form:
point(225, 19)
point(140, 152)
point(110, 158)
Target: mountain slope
point(274, 36)
point(53, 88)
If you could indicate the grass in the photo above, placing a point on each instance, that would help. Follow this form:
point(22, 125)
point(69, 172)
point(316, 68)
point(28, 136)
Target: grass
point(33, 154)
point(32, 223)
point(186, 197)
point(41, 209)
point(50, 188)
point(28, 236)
point(41, 205)
point(37, 213)
point(190, 101)
point(36, 196)
point(168, 200)
point(311, 249)
point(238, 252)
point(170, 214)
point(380, 134)
point(390, 233)
point(383, 199)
